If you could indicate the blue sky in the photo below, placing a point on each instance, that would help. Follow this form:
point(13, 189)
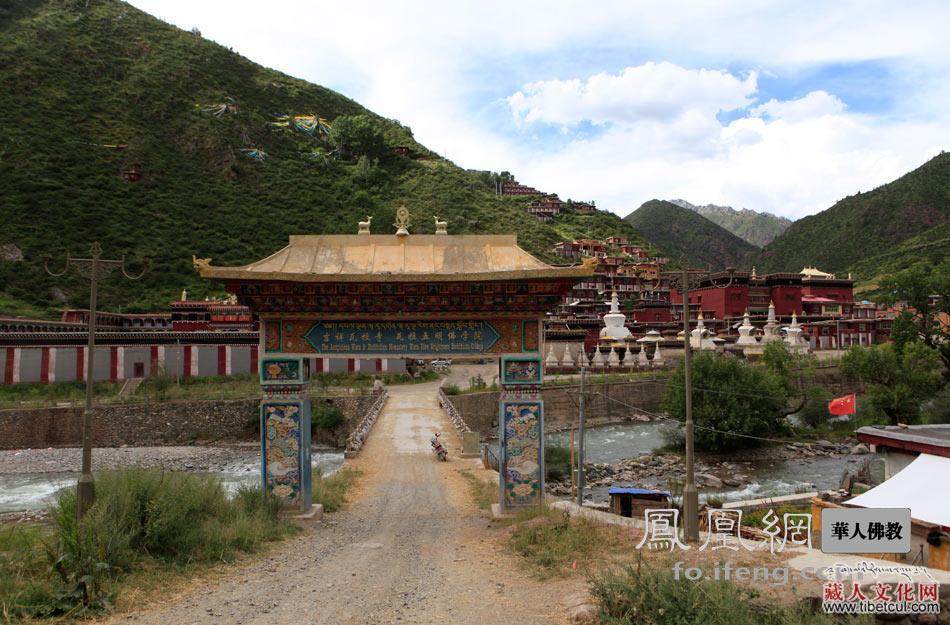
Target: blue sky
point(782, 106)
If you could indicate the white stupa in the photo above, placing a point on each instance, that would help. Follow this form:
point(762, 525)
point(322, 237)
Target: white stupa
point(551, 360)
point(642, 359)
point(699, 337)
point(745, 333)
point(793, 337)
point(566, 359)
point(598, 359)
point(771, 330)
point(582, 360)
point(613, 359)
point(629, 359)
point(614, 322)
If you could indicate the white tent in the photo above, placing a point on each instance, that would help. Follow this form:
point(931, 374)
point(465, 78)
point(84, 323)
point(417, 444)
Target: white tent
point(923, 486)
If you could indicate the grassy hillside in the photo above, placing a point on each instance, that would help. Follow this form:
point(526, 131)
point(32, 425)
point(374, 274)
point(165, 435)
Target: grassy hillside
point(867, 224)
point(89, 91)
point(677, 231)
point(928, 249)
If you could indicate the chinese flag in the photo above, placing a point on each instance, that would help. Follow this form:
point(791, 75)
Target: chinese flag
point(842, 405)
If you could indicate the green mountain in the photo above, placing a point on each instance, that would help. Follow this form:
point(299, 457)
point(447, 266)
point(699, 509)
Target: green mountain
point(928, 249)
point(757, 228)
point(678, 231)
point(860, 227)
point(119, 128)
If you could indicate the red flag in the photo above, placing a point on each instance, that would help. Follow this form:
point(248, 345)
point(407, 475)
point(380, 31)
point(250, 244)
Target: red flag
point(842, 405)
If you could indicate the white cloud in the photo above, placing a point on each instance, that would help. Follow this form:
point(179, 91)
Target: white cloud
point(652, 91)
point(444, 67)
point(814, 104)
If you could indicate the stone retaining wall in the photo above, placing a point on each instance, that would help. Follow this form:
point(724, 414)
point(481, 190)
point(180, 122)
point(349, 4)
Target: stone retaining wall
point(479, 411)
point(164, 423)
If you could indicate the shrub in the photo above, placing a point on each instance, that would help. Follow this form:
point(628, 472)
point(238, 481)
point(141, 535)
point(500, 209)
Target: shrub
point(734, 403)
point(327, 417)
point(451, 389)
point(645, 594)
point(177, 518)
point(557, 463)
point(815, 411)
point(552, 541)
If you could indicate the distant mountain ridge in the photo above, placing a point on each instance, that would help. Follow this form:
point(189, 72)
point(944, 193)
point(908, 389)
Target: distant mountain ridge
point(756, 227)
point(680, 231)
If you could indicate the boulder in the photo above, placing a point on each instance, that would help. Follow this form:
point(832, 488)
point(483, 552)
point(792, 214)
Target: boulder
point(709, 480)
point(585, 614)
point(859, 449)
point(825, 444)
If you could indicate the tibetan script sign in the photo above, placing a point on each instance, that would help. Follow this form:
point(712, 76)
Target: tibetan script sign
point(402, 337)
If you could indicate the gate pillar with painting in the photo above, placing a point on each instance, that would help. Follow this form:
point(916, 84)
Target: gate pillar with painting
point(521, 433)
point(402, 295)
point(285, 431)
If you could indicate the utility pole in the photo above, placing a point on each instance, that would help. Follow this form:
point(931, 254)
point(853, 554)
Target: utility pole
point(92, 268)
point(580, 434)
point(690, 493)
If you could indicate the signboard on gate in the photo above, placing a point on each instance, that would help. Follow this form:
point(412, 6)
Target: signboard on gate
point(402, 337)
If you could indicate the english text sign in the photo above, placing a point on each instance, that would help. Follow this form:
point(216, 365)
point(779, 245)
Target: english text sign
point(402, 337)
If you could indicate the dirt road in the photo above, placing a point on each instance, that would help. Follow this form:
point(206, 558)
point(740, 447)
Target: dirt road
point(412, 549)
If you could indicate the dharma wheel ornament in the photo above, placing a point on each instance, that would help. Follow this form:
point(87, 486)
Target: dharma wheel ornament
point(402, 221)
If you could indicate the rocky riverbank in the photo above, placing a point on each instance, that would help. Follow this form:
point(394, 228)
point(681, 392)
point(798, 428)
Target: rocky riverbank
point(176, 458)
point(712, 472)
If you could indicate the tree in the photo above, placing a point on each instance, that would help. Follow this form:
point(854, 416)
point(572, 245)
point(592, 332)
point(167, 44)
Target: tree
point(926, 293)
point(354, 136)
point(729, 397)
point(897, 381)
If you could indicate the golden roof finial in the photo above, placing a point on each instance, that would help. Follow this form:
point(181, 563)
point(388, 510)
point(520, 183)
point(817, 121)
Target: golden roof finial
point(402, 221)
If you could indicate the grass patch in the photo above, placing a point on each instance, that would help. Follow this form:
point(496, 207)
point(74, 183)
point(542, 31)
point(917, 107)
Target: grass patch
point(484, 493)
point(331, 490)
point(641, 593)
point(148, 522)
point(554, 544)
point(754, 518)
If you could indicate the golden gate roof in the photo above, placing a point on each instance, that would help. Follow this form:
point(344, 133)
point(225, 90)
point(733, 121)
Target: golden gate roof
point(375, 257)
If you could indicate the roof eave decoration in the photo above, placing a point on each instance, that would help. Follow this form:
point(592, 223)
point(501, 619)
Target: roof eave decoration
point(415, 258)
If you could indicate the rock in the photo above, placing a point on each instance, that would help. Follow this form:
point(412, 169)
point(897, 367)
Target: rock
point(586, 614)
point(825, 444)
point(57, 295)
point(709, 480)
point(860, 448)
point(9, 251)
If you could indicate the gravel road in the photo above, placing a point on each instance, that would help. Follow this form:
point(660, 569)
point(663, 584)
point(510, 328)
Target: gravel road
point(412, 548)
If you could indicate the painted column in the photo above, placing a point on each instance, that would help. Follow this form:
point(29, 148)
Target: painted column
point(51, 365)
point(44, 365)
point(379, 365)
point(80, 364)
point(15, 368)
point(222, 360)
point(228, 360)
point(254, 356)
point(285, 431)
point(521, 432)
point(116, 363)
point(8, 368)
point(384, 365)
point(160, 360)
point(350, 365)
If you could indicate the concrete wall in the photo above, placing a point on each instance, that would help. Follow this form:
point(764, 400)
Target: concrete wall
point(164, 423)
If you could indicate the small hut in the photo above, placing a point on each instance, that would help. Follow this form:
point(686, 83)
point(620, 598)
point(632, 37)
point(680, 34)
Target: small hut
point(631, 502)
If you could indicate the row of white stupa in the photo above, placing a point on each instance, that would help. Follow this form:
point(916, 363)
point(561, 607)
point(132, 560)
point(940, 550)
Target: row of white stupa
point(700, 339)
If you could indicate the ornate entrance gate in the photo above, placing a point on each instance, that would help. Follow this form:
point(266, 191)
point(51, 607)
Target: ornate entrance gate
point(379, 296)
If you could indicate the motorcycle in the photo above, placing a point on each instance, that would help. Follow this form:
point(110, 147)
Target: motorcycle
point(438, 448)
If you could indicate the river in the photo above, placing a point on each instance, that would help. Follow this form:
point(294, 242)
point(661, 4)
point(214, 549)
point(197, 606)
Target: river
point(612, 443)
point(29, 491)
